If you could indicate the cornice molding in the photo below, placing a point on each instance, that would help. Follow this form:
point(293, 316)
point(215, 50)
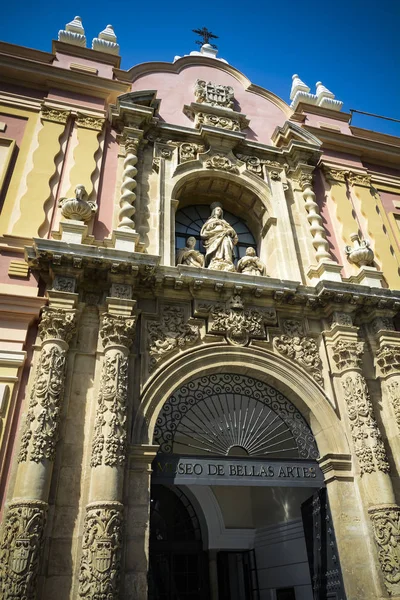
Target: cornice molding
point(81, 52)
point(303, 108)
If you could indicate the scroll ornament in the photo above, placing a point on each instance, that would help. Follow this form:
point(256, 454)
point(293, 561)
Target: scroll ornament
point(302, 350)
point(20, 549)
point(171, 332)
point(386, 528)
point(100, 568)
point(367, 439)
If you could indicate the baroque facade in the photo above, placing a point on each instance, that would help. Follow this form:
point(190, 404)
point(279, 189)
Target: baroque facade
point(200, 361)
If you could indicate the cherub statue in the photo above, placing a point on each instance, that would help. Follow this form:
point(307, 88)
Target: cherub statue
point(189, 256)
point(251, 264)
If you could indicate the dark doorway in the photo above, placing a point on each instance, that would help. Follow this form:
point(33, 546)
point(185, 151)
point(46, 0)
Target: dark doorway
point(178, 563)
point(323, 557)
point(237, 576)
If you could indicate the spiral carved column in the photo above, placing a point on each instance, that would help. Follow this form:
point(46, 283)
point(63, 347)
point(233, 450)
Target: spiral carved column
point(128, 196)
point(347, 354)
point(100, 566)
point(23, 529)
point(319, 241)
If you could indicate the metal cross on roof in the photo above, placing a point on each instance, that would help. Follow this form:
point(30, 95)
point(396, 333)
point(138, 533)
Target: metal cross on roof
point(206, 35)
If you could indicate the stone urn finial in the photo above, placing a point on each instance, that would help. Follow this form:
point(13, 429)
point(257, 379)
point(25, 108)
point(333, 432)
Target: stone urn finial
point(359, 253)
point(78, 208)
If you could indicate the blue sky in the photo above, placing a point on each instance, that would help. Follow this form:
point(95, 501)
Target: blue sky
point(351, 46)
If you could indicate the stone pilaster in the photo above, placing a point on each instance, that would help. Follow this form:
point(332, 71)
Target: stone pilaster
point(23, 530)
point(100, 566)
point(347, 352)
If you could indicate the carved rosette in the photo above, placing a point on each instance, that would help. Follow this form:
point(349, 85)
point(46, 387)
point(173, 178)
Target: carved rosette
point(223, 163)
point(109, 440)
point(100, 568)
point(171, 332)
point(128, 196)
point(367, 439)
point(304, 351)
point(318, 233)
point(40, 429)
point(386, 528)
point(20, 549)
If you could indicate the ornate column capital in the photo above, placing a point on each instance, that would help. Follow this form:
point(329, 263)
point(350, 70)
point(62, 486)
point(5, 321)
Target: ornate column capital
point(388, 359)
point(359, 179)
point(117, 330)
point(50, 113)
point(57, 324)
point(334, 176)
point(347, 355)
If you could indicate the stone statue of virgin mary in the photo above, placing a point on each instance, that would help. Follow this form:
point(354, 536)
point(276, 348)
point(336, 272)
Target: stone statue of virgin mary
point(219, 238)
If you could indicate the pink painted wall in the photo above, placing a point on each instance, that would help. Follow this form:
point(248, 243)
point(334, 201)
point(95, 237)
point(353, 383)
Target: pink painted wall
point(176, 90)
point(64, 61)
point(81, 99)
point(15, 127)
point(104, 218)
point(317, 120)
point(5, 260)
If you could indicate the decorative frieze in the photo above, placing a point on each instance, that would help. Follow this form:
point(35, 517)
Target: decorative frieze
point(334, 175)
point(121, 290)
point(388, 359)
point(100, 568)
point(171, 332)
point(304, 351)
point(90, 122)
point(214, 94)
point(20, 549)
point(386, 528)
point(362, 179)
point(64, 284)
point(216, 121)
point(347, 355)
point(55, 115)
point(367, 439)
point(222, 163)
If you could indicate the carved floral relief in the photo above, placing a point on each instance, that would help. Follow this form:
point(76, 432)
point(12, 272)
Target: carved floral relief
point(20, 549)
point(172, 331)
point(302, 350)
point(367, 439)
point(386, 528)
point(100, 567)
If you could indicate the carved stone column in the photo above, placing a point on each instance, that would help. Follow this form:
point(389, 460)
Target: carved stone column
point(22, 536)
point(100, 566)
point(346, 352)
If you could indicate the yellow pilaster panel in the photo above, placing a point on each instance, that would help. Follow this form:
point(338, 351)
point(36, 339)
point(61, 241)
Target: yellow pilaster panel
point(344, 207)
point(379, 231)
point(34, 203)
point(88, 131)
point(23, 156)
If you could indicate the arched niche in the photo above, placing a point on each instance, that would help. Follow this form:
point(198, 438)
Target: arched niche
point(284, 375)
point(243, 195)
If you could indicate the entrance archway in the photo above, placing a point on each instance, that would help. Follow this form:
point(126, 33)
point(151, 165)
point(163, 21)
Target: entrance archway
point(252, 448)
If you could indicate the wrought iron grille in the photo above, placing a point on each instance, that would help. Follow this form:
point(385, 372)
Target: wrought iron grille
point(233, 415)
